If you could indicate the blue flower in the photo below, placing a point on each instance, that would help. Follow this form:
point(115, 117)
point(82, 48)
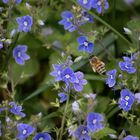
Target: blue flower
point(42, 136)
point(86, 17)
point(1, 45)
point(135, 56)
point(66, 21)
point(75, 107)
point(111, 79)
point(63, 97)
point(25, 23)
point(85, 3)
point(17, 1)
point(82, 133)
point(68, 75)
point(94, 121)
point(24, 131)
point(137, 97)
point(2, 109)
point(17, 110)
point(5, 1)
point(100, 5)
point(129, 137)
point(19, 53)
point(127, 65)
point(126, 100)
point(78, 85)
point(85, 45)
point(57, 72)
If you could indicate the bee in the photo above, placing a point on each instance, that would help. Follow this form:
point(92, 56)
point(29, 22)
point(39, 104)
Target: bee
point(97, 65)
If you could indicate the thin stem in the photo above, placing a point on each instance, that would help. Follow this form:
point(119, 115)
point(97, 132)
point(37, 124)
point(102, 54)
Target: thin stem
point(64, 117)
point(10, 51)
point(138, 71)
point(107, 25)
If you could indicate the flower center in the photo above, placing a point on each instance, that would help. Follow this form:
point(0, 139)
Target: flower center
point(59, 72)
point(127, 98)
point(25, 23)
point(111, 76)
point(86, 19)
point(94, 121)
point(41, 138)
point(86, 43)
point(99, 3)
point(126, 103)
point(67, 76)
point(84, 132)
point(24, 132)
point(85, 1)
point(19, 54)
point(77, 81)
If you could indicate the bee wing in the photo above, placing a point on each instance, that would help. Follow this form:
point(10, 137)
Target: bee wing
point(93, 69)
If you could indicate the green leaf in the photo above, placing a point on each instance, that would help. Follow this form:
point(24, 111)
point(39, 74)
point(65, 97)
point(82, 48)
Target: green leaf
point(94, 77)
point(134, 24)
point(39, 90)
point(18, 73)
point(104, 132)
point(135, 130)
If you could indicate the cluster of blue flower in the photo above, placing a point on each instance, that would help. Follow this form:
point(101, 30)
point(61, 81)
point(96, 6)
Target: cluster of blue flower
point(19, 53)
point(71, 23)
point(16, 1)
point(127, 97)
point(23, 130)
point(24, 24)
point(99, 5)
point(94, 124)
point(62, 72)
point(74, 80)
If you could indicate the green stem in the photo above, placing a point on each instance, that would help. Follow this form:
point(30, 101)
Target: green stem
point(138, 67)
point(10, 51)
point(64, 118)
point(107, 25)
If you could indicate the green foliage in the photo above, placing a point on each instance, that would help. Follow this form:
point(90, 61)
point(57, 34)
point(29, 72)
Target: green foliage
point(103, 133)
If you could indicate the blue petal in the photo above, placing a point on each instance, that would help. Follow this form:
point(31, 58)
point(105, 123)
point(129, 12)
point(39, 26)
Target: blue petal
point(82, 48)
point(90, 47)
point(81, 39)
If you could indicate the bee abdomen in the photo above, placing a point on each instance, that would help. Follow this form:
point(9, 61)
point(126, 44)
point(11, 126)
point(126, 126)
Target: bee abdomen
point(101, 69)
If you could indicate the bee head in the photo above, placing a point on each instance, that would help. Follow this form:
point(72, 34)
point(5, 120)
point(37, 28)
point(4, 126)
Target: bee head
point(91, 56)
